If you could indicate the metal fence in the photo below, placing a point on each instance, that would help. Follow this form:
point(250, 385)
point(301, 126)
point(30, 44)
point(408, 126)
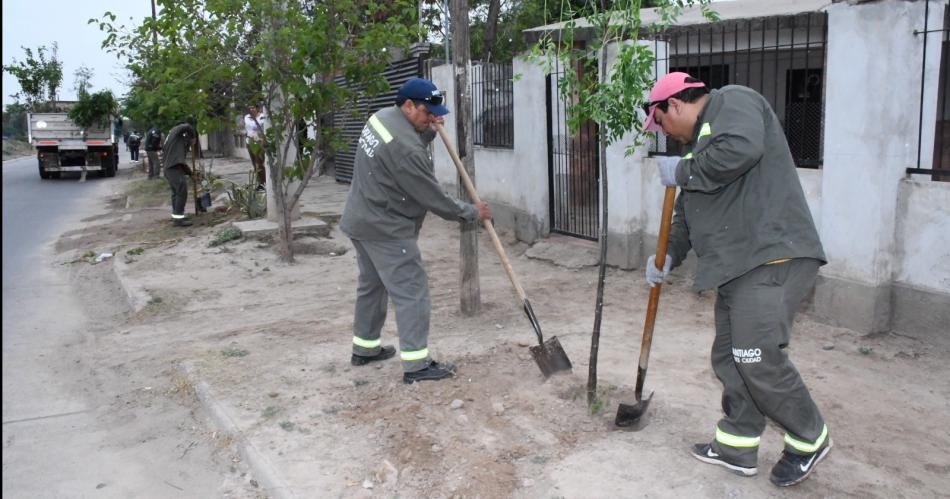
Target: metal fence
point(350, 123)
point(783, 58)
point(573, 168)
point(493, 105)
point(935, 39)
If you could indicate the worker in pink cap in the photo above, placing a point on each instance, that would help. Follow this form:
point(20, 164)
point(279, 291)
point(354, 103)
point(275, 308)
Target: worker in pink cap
point(742, 209)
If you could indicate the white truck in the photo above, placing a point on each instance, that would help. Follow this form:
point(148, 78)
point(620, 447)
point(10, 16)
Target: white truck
point(63, 146)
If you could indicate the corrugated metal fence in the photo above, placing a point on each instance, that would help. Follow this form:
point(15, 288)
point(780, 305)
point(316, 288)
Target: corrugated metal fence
point(350, 123)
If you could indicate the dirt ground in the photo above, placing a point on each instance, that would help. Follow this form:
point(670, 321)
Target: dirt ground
point(272, 341)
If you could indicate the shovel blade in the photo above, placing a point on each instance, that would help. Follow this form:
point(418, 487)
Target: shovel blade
point(550, 357)
point(631, 416)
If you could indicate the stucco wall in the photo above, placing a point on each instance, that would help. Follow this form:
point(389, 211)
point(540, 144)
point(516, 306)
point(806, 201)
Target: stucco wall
point(513, 181)
point(887, 237)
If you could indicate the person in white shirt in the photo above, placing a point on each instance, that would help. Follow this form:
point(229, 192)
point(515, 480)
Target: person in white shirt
point(253, 126)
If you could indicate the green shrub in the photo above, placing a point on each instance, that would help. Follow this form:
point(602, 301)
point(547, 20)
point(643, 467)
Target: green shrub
point(227, 234)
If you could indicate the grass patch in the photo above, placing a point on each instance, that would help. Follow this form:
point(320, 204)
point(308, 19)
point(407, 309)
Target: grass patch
point(145, 193)
point(226, 235)
point(287, 425)
point(135, 251)
point(270, 411)
point(233, 350)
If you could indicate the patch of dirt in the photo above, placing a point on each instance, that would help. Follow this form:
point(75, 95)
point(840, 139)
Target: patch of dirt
point(498, 429)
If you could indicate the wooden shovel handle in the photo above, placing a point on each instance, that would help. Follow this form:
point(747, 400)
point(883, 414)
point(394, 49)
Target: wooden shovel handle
point(470, 188)
point(666, 220)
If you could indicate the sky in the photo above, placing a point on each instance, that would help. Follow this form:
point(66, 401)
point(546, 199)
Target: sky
point(35, 23)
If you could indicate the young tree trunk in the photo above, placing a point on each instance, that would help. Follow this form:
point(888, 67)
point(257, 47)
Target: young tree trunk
point(602, 272)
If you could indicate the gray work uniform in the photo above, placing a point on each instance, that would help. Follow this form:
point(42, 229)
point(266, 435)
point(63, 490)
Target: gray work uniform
point(743, 211)
point(393, 188)
point(175, 151)
point(153, 144)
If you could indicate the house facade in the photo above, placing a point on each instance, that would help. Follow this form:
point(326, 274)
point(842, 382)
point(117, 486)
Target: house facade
point(860, 87)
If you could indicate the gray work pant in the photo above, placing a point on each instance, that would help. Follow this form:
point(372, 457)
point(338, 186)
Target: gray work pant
point(754, 317)
point(177, 176)
point(154, 165)
point(392, 269)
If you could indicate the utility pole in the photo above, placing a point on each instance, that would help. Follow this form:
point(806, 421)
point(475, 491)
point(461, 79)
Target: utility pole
point(470, 295)
point(154, 31)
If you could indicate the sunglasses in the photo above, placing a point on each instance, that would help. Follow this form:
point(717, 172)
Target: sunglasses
point(662, 104)
point(432, 99)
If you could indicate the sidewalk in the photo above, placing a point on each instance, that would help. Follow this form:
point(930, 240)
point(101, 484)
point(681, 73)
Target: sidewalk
point(266, 346)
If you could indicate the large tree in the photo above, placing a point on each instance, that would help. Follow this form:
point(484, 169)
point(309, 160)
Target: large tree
point(307, 56)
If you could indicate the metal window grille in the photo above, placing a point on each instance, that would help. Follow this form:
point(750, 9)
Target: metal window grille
point(940, 165)
point(783, 58)
point(493, 105)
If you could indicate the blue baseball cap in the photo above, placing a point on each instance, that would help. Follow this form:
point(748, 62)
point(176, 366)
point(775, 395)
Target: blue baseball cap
point(424, 91)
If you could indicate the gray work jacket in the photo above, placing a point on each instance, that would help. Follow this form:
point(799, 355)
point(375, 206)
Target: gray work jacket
point(741, 204)
point(177, 144)
point(394, 183)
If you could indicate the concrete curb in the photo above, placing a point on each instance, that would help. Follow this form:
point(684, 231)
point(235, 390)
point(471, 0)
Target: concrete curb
point(135, 296)
point(270, 482)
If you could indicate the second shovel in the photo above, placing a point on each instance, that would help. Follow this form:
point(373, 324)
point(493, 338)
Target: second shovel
point(630, 415)
point(549, 355)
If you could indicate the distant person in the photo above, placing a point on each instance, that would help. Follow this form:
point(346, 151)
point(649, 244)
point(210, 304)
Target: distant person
point(254, 128)
point(135, 140)
point(393, 188)
point(742, 209)
point(175, 152)
point(153, 144)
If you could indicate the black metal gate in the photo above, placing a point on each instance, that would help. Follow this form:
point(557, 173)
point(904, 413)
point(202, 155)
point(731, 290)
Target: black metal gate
point(573, 173)
point(351, 123)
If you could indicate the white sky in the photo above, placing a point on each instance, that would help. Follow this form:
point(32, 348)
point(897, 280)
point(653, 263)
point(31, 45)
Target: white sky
point(34, 23)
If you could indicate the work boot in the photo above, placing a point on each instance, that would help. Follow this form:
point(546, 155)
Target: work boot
point(707, 454)
point(182, 222)
point(384, 353)
point(793, 468)
point(434, 372)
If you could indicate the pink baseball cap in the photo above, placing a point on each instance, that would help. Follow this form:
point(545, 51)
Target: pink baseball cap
point(667, 86)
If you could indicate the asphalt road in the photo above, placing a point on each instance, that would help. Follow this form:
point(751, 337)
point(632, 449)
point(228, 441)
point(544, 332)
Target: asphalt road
point(62, 434)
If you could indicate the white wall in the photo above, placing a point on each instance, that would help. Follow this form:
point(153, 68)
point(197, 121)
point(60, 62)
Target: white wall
point(870, 133)
point(922, 256)
point(513, 178)
point(877, 226)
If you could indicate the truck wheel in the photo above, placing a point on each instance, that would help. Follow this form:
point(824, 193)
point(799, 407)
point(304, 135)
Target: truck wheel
point(109, 166)
point(43, 173)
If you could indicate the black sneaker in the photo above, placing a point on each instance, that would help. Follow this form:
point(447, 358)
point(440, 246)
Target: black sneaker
point(384, 353)
point(434, 372)
point(794, 468)
point(706, 454)
point(182, 222)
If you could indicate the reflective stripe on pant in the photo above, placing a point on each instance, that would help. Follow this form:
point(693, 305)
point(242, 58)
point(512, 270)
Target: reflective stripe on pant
point(754, 316)
point(392, 269)
point(179, 185)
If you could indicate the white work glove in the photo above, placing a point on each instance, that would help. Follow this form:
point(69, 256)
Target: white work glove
point(654, 275)
point(667, 168)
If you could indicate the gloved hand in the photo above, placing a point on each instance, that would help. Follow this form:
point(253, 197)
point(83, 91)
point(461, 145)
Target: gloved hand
point(667, 167)
point(654, 275)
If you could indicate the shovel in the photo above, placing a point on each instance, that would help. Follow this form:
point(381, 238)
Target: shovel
point(629, 415)
point(549, 355)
